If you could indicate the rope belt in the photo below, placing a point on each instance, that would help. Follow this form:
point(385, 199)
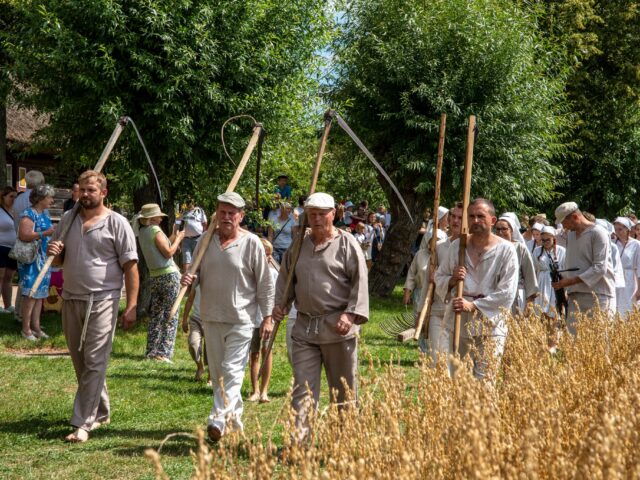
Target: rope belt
point(87, 315)
point(317, 319)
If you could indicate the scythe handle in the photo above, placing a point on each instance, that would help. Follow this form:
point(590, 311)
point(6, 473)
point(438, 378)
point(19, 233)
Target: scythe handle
point(206, 240)
point(122, 123)
point(425, 311)
point(294, 252)
point(466, 194)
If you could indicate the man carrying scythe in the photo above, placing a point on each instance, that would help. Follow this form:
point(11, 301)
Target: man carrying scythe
point(490, 274)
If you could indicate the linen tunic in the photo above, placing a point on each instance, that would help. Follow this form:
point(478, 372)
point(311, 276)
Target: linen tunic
point(590, 253)
point(235, 281)
point(327, 282)
point(630, 259)
point(492, 285)
point(527, 280)
point(547, 298)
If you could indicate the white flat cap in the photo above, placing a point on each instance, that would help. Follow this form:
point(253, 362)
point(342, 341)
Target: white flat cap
point(625, 222)
point(564, 210)
point(319, 200)
point(537, 226)
point(548, 229)
point(232, 198)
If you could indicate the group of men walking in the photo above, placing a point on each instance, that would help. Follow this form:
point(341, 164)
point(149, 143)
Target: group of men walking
point(330, 293)
point(330, 290)
point(500, 278)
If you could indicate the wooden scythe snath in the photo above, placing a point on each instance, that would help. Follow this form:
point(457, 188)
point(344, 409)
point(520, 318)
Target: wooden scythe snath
point(425, 311)
point(206, 240)
point(297, 244)
point(466, 193)
point(122, 123)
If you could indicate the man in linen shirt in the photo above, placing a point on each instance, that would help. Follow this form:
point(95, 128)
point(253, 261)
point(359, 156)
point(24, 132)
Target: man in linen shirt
point(588, 250)
point(490, 277)
point(234, 282)
point(99, 248)
point(332, 299)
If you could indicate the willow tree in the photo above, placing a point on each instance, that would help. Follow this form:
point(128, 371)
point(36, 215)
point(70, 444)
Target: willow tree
point(178, 68)
point(401, 63)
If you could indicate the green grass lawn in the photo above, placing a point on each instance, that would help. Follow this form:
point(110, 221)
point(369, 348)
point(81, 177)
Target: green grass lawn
point(149, 401)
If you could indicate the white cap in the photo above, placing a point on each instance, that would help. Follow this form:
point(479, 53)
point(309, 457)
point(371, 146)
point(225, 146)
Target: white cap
point(537, 226)
point(442, 212)
point(564, 210)
point(549, 229)
point(232, 198)
point(320, 200)
point(625, 222)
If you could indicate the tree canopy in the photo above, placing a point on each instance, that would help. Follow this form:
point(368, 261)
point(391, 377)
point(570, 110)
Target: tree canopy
point(179, 69)
point(401, 63)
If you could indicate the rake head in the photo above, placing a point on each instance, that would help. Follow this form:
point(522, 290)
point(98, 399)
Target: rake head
point(396, 324)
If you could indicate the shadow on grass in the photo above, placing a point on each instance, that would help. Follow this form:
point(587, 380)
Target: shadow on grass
point(41, 428)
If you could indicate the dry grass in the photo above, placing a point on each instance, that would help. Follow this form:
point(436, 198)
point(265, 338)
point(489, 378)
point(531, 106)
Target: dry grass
point(572, 415)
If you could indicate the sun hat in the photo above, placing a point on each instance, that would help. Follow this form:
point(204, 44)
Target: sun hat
point(151, 210)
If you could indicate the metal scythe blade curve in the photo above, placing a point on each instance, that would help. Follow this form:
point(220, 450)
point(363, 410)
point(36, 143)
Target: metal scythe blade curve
point(364, 149)
point(146, 153)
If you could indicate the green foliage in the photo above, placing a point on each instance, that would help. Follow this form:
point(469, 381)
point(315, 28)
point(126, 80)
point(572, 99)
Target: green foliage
point(601, 44)
point(178, 68)
point(401, 63)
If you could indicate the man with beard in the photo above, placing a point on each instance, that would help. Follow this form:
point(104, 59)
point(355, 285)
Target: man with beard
point(234, 282)
point(490, 276)
point(99, 248)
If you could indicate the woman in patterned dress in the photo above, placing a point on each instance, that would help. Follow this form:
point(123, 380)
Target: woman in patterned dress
point(35, 226)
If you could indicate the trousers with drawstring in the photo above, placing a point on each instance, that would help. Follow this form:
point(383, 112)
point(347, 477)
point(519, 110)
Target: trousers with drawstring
point(314, 345)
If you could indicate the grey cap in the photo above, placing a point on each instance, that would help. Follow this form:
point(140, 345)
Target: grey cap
point(564, 210)
point(232, 198)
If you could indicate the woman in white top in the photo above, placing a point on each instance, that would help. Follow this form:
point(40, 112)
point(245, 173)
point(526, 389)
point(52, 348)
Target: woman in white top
point(543, 256)
point(629, 249)
point(7, 240)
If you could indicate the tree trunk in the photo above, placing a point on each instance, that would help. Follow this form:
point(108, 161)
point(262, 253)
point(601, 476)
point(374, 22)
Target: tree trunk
point(396, 250)
point(3, 141)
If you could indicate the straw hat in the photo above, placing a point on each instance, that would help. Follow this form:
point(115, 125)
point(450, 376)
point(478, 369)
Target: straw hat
point(151, 210)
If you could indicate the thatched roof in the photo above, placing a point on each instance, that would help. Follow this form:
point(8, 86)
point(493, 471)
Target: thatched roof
point(23, 124)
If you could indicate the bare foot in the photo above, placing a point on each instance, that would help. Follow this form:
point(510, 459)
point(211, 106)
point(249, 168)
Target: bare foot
point(264, 398)
point(255, 396)
point(199, 374)
point(97, 425)
point(79, 436)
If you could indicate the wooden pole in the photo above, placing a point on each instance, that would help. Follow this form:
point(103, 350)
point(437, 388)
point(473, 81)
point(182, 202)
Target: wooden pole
point(202, 248)
point(466, 194)
point(122, 123)
point(425, 311)
point(297, 244)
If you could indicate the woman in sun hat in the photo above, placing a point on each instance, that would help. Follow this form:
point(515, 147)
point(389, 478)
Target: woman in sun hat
point(158, 252)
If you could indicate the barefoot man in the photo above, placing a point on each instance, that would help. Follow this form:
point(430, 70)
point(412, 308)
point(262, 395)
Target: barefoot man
point(99, 248)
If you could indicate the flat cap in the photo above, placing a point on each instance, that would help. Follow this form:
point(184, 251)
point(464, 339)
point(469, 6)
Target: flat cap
point(625, 222)
point(319, 200)
point(232, 198)
point(564, 210)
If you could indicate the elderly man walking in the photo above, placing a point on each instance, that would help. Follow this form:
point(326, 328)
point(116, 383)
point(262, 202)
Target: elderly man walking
point(588, 251)
point(490, 274)
point(332, 299)
point(234, 282)
point(99, 248)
